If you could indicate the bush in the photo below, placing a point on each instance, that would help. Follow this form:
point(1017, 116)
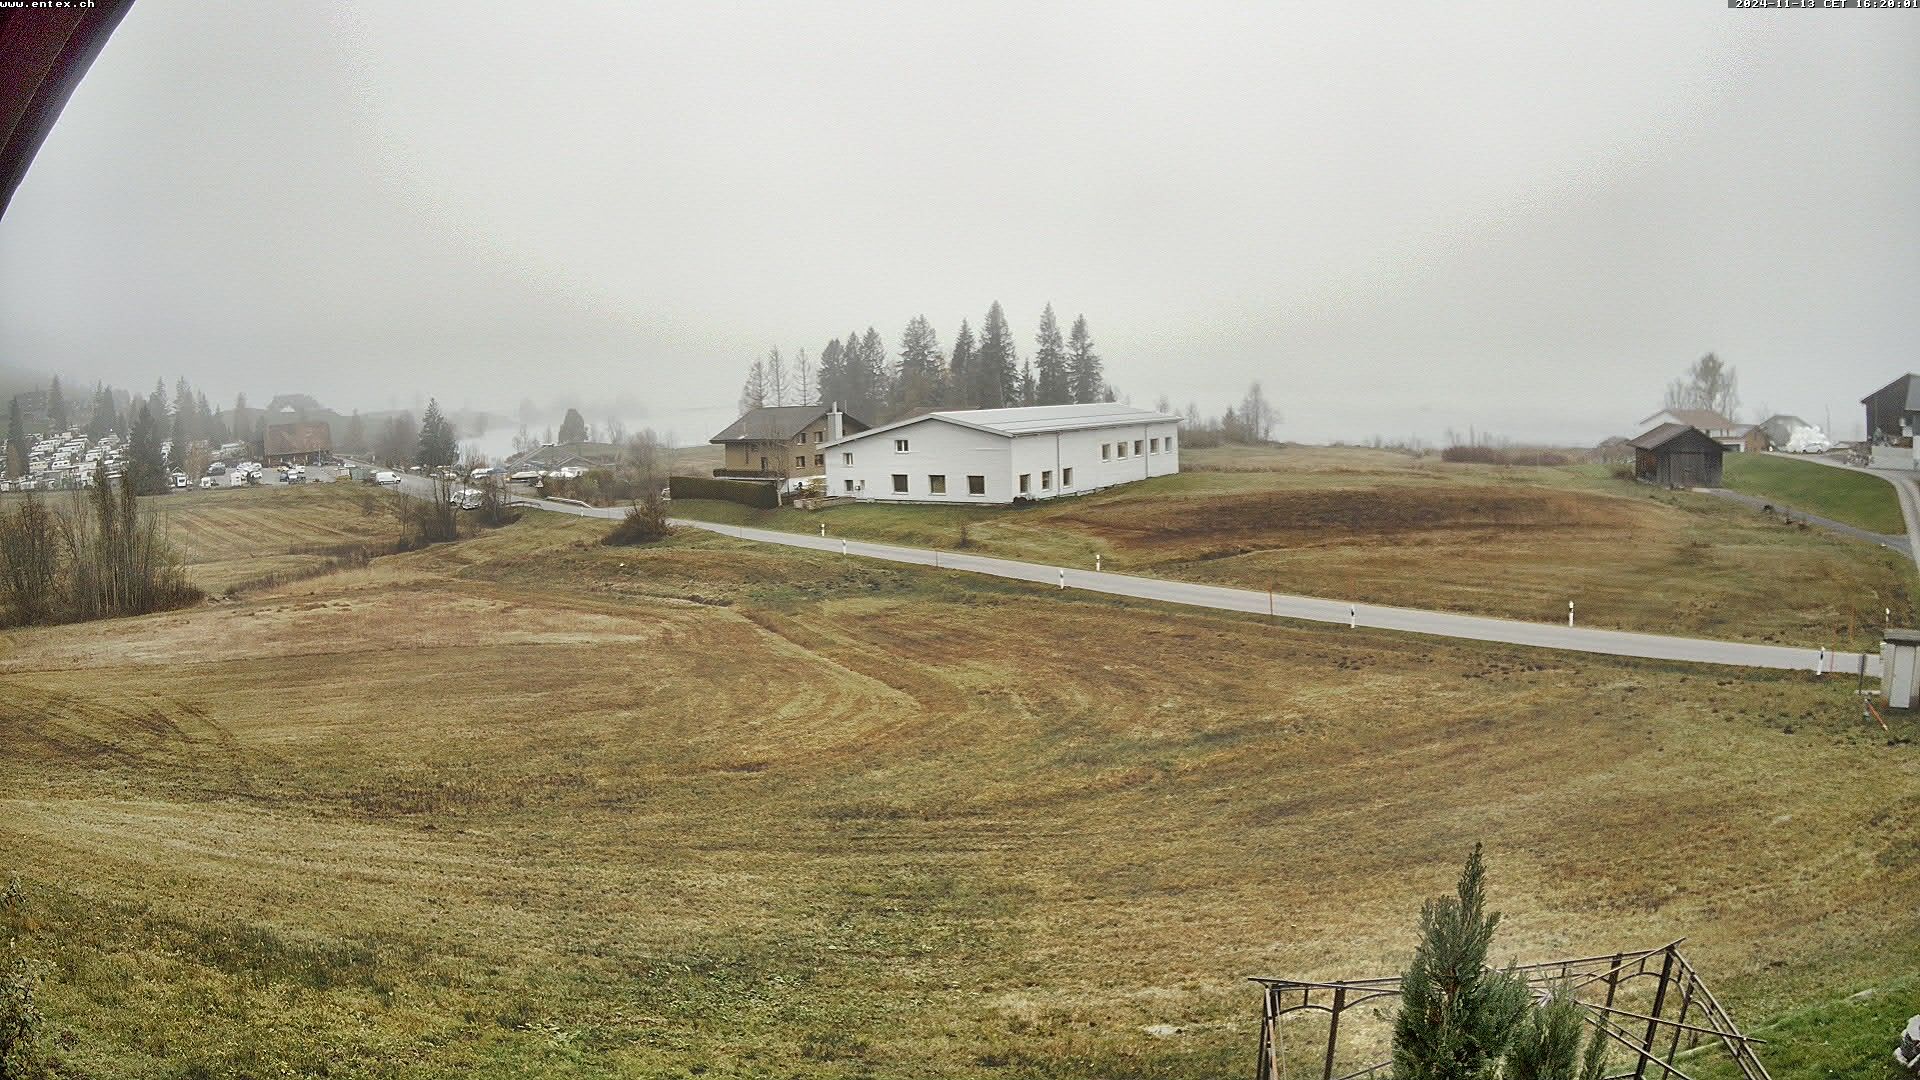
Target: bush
point(427, 521)
point(645, 523)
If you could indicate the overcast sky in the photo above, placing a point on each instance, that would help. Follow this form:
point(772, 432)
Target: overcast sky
point(1399, 217)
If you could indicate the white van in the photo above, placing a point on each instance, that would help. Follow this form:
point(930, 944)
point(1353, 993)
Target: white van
point(387, 478)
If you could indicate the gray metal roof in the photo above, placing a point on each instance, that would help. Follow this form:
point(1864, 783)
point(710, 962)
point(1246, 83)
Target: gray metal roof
point(1912, 394)
point(1901, 637)
point(1033, 419)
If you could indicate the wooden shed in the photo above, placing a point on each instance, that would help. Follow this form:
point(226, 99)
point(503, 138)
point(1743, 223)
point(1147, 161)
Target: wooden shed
point(1676, 455)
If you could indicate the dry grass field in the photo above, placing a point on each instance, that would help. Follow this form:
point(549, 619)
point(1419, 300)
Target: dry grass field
point(526, 805)
point(1386, 528)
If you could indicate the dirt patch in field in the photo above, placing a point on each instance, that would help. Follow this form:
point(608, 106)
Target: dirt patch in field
point(1293, 518)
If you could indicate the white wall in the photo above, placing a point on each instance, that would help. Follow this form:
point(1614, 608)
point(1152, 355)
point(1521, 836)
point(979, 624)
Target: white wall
point(935, 447)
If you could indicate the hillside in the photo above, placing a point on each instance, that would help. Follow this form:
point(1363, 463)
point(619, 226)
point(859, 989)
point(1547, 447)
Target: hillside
point(526, 805)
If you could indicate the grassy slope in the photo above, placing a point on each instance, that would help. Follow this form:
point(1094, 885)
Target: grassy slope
point(1383, 528)
point(526, 805)
point(1857, 499)
point(1848, 1036)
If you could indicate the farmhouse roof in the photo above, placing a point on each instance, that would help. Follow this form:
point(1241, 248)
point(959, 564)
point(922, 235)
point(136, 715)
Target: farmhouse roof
point(1704, 419)
point(1660, 436)
point(781, 422)
point(1033, 419)
point(1912, 392)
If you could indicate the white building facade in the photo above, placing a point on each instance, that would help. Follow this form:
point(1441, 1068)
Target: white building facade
point(999, 456)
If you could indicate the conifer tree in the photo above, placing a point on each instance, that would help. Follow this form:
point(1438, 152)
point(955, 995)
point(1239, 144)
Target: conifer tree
point(753, 392)
point(833, 374)
point(573, 427)
point(1029, 390)
point(961, 369)
point(356, 433)
point(16, 439)
point(918, 383)
point(146, 466)
point(101, 420)
point(56, 406)
point(1084, 381)
point(997, 374)
point(1050, 363)
point(1547, 1044)
point(1457, 1016)
point(439, 443)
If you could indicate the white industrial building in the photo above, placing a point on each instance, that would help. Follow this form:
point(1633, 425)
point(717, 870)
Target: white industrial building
point(1004, 455)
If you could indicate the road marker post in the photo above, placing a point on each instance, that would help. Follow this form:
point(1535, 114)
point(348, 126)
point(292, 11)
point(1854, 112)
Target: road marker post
point(843, 547)
point(1353, 617)
point(1096, 562)
point(1569, 613)
point(1063, 577)
point(823, 528)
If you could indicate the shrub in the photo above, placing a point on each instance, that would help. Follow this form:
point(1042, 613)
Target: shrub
point(645, 523)
point(1457, 1016)
point(101, 556)
point(20, 1019)
point(432, 520)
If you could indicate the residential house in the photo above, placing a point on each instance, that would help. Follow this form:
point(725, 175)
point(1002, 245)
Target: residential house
point(986, 456)
point(1730, 435)
point(782, 441)
point(303, 442)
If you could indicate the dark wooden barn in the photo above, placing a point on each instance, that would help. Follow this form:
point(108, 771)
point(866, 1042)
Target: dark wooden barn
point(1675, 455)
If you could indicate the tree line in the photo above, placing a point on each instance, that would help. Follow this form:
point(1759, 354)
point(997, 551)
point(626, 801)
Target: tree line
point(979, 372)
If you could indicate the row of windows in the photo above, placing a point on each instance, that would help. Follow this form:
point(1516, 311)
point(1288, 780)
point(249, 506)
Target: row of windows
point(818, 436)
point(976, 485)
point(800, 461)
point(1109, 451)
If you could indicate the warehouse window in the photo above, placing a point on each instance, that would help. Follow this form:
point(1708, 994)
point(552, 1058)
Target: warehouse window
point(899, 446)
point(846, 458)
point(849, 484)
point(1046, 479)
point(1120, 448)
point(1106, 451)
point(899, 483)
point(1066, 478)
point(1026, 482)
point(1136, 448)
point(976, 485)
point(937, 484)
point(1153, 446)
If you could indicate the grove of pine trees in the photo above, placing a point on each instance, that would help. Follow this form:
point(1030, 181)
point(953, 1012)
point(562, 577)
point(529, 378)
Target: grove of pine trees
point(982, 371)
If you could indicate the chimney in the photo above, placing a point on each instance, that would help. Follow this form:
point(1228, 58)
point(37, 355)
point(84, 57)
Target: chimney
point(833, 423)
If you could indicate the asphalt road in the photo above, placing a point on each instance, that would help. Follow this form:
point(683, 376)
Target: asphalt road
point(1903, 486)
point(1281, 605)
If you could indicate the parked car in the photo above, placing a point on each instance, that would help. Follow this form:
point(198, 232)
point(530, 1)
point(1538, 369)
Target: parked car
point(387, 478)
point(466, 498)
point(209, 482)
point(526, 476)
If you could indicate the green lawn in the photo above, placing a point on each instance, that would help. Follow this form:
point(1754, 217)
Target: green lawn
point(1854, 498)
point(1849, 1036)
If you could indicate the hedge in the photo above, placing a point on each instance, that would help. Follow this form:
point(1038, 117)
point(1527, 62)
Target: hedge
point(760, 494)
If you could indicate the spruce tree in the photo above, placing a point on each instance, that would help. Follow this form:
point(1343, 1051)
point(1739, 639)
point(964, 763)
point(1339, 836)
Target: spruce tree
point(573, 427)
point(439, 445)
point(997, 365)
point(1050, 363)
point(961, 369)
point(753, 391)
point(833, 375)
point(1029, 390)
point(1457, 1016)
point(878, 376)
point(101, 420)
point(1084, 382)
point(56, 406)
point(16, 439)
point(146, 467)
point(918, 384)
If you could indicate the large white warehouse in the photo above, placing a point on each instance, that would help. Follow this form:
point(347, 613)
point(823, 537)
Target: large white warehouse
point(1003, 455)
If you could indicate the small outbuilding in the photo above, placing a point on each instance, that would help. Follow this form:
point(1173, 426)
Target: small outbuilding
point(1899, 650)
point(1677, 455)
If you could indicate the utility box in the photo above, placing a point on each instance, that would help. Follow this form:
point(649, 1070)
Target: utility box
point(1899, 666)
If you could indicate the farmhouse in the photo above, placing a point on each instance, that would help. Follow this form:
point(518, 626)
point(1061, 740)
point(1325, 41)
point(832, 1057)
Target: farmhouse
point(304, 442)
point(776, 441)
point(1731, 436)
point(1675, 455)
point(1004, 455)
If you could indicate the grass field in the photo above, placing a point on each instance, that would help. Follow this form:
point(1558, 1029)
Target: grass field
point(1385, 528)
point(526, 805)
point(1857, 499)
